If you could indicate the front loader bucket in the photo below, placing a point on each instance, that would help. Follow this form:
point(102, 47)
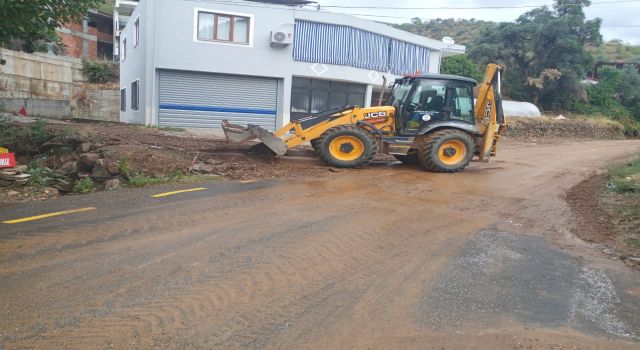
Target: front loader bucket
point(236, 133)
point(239, 134)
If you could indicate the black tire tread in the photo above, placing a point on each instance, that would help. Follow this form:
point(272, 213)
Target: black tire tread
point(314, 144)
point(428, 150)
point(369, 141)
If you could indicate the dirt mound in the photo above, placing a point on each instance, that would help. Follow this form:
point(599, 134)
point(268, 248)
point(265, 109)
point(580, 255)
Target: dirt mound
point(602, 218)
point(154, 152)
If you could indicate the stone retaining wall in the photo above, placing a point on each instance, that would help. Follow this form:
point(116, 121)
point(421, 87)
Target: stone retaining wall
point(53, 86)
point(545, 127)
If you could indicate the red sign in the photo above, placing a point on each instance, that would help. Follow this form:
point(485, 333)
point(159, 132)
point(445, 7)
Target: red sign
point(7, 160)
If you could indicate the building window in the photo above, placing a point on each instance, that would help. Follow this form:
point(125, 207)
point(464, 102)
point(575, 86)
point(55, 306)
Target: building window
point(123, 100)
point(135, 95)
point(136, 32)
point(223, 27)
point(310, 96)
point(123, 49)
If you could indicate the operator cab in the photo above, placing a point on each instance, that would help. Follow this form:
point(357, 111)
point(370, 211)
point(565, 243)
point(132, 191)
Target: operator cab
point(425, 99)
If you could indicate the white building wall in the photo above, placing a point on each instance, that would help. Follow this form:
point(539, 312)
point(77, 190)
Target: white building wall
point(136, 65)
point(176, 48)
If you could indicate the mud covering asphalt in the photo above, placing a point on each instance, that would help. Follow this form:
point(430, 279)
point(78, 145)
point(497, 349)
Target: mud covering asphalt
point(499, 276)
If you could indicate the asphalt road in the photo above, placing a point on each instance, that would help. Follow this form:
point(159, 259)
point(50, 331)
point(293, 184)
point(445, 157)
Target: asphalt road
point(387, 257)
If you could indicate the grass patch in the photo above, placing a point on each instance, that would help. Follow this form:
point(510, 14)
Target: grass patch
point(634, 242)
point(25, 139)
point(622, 203)
point(84, 185)
point(101, 71)
point(140, 180)
point(124, 166)
point(625, 178)
point(41, 174)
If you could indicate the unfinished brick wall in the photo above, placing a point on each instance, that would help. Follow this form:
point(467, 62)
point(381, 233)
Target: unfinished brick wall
point(74, 41)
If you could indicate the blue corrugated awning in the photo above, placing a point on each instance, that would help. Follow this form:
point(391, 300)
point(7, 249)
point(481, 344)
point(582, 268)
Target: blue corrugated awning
point(408, 58)
point(347, 46)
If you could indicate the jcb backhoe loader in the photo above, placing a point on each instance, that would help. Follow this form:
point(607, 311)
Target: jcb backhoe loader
point(427, 119)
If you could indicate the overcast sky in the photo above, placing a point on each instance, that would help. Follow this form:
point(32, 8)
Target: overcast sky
point(616, 17)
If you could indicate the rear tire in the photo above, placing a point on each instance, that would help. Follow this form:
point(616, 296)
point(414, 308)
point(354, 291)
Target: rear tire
point(347, 146)
point(446, 151)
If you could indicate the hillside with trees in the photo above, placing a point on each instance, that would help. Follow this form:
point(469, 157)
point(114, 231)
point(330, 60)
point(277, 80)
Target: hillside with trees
point(548, 52)
point(615, 50)
point(465, 32)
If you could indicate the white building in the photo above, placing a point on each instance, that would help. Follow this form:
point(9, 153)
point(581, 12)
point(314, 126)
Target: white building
point(192, 63)
point(122, 11)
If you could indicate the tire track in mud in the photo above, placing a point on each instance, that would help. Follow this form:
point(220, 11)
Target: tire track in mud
point(67, 276)
point(246, 302)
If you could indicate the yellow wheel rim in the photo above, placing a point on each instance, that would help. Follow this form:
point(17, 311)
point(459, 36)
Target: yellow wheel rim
point(452, 152)
point(346, 148)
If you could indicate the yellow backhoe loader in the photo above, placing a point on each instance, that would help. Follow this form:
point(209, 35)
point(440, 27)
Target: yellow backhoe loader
point(427, 119)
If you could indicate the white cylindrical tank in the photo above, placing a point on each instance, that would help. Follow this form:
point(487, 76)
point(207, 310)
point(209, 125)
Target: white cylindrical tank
point(520, 109)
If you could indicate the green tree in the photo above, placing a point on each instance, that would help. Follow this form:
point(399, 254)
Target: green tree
point(627, 90)
point(35, 21)
point(460, 65)
point(616, 95)
point(602, 94)
point(543, 39)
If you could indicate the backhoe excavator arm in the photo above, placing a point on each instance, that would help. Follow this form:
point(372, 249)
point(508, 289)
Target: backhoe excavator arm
point(490, 119)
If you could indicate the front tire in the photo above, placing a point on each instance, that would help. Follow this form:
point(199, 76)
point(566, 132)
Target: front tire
point(446, 151)
point(315, 143)
point(347, 146)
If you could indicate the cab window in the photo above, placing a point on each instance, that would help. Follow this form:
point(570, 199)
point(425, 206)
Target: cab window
point(462, 104)
point(429, 97)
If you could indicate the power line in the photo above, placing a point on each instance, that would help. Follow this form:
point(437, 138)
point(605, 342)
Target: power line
point(468, 7)
point(264, 5)
point(305, 8)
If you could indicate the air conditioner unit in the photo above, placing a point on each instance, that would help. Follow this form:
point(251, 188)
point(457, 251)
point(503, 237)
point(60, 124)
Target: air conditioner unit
point(282, 36)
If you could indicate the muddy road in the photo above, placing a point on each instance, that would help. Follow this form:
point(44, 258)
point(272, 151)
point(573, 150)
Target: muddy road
point(386, 257)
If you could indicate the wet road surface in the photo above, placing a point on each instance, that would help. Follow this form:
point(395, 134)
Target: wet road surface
point(385, 257)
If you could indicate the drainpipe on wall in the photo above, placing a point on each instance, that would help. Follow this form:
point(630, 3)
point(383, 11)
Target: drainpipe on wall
point(151, 117)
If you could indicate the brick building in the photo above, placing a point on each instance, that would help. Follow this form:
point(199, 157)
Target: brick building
point(92, 38)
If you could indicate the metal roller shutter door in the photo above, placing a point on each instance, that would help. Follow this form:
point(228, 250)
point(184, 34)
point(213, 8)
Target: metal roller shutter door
point(203, 100)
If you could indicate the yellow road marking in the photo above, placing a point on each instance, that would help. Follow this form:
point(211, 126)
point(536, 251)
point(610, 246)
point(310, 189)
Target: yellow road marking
point(48, 215)
point(176, 192)
point(247, 181)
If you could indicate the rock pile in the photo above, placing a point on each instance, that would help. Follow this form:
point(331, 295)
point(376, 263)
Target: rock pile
point(14, 176)
point(64, 160)
point(94, 165)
